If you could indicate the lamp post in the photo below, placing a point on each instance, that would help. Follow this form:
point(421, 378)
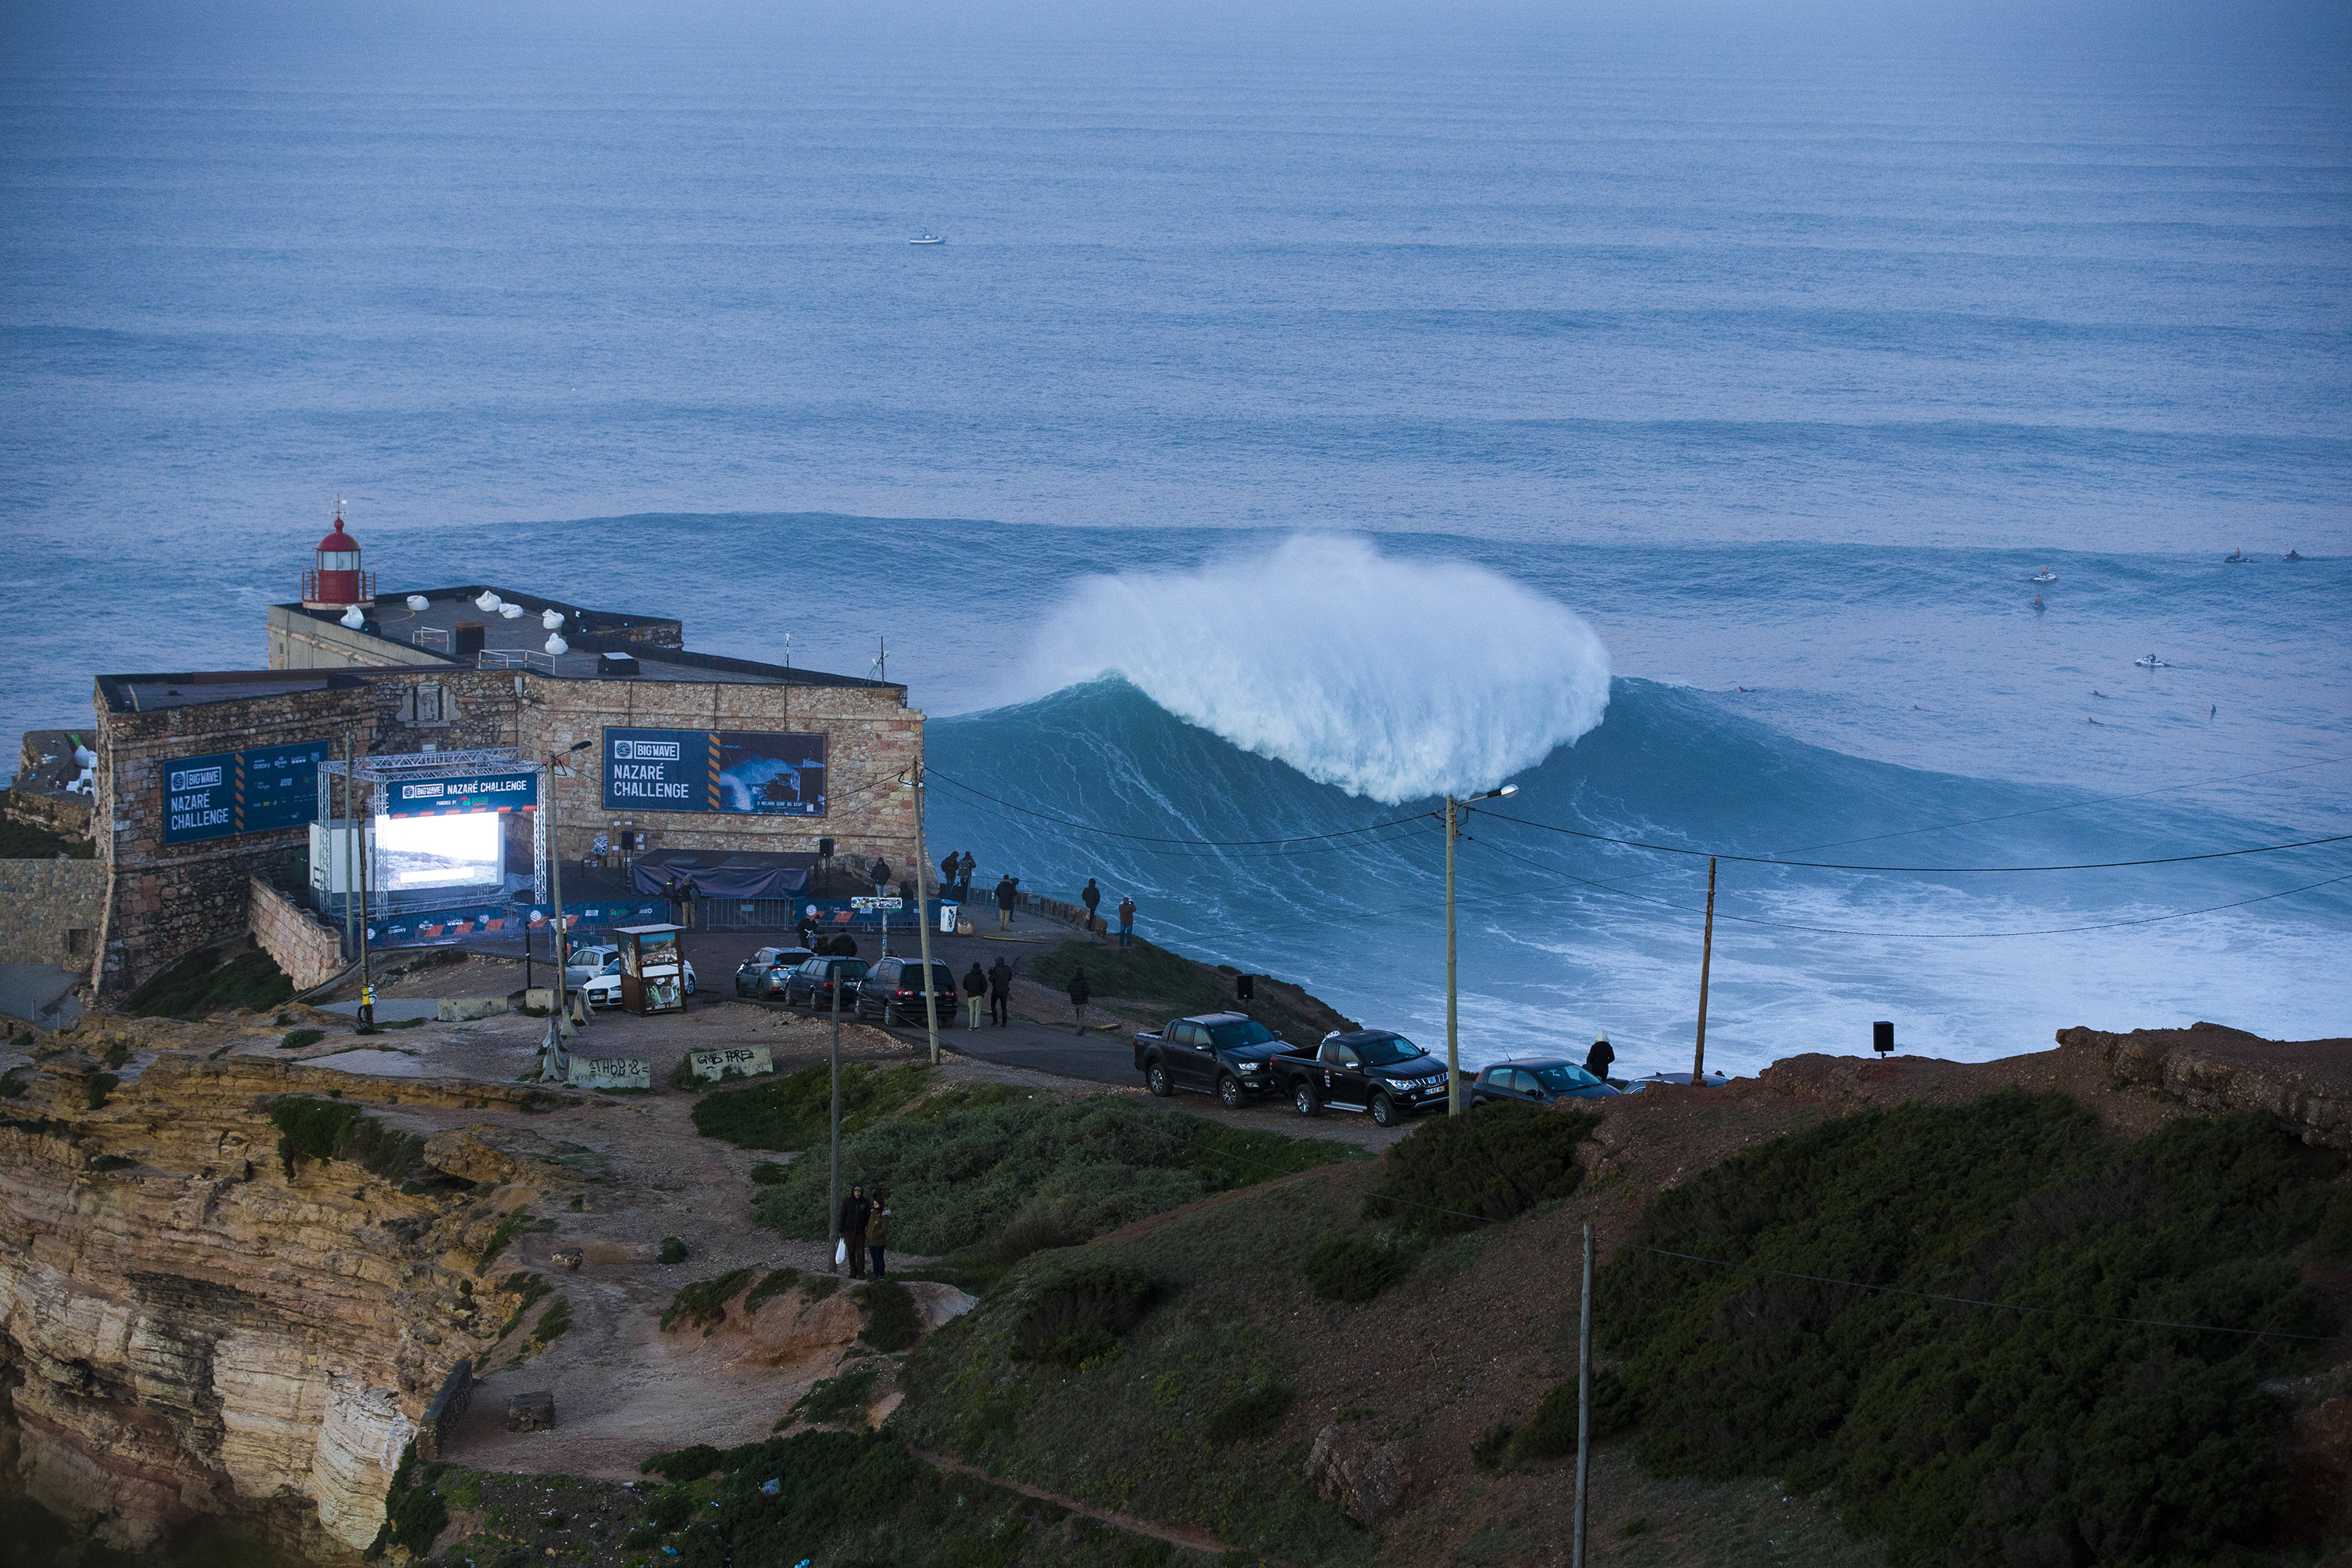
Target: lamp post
point(555, 891)
point(1454, 809)
point(914, 780)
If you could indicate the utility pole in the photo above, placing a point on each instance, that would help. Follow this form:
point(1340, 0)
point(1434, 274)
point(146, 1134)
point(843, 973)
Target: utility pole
point(1584, 1398)
point(350, 850)
point(555, 887)
point(1453, 1037)
point(833, 1183)
point(922, 914)
point(1706, 961)
point(367, 1009)
point(1454, 812)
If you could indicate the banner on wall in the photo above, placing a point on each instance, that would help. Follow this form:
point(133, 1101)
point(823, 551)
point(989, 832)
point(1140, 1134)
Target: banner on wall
point(741, 772)
point(457, 796)
point(253, 791)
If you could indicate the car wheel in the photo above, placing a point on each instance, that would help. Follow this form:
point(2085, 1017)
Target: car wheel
point(1229, 1091)
point(1155, 1078)
point(1305, 1102)
point(689, 985)
point(1383, 1110)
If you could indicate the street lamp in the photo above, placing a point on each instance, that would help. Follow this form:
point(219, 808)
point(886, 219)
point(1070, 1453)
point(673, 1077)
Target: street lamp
point(1454, 812)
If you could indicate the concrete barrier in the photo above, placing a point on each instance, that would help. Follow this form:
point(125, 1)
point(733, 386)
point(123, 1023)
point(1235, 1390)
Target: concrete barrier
point(447, 1409)
point(750, 1061)
point(465, 1009)
point(610, 1072)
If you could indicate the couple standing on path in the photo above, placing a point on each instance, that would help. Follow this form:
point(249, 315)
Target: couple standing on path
point(955, 871)
point(996, 984)
point(1092, 898)
point(864, 1230)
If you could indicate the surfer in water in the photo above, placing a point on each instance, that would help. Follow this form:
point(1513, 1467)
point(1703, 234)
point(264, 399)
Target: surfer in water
point(2038, 604)
point(2096, 692)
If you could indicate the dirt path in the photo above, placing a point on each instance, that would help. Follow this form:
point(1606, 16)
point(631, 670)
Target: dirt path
point(1181, 1536)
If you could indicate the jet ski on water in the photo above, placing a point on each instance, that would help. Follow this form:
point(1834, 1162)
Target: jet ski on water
point(2151, 662)
point(2235, 558)
point(2293, 556)
point(2045, 576)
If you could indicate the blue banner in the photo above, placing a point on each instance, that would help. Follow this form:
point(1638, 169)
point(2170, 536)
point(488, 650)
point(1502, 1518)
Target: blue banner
point(741, 772)
point(457, 796)
point(454, 922)
point(229, 792)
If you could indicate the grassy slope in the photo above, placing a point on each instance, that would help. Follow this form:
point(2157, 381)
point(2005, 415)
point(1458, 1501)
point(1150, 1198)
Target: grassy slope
point(1171, 982)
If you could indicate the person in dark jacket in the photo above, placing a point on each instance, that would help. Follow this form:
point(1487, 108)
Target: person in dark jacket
point(963, 877)
point(808, 929)
point(975, 992)
point(879, 875)
point(1000, 992)
point(1078, 994)
point(1092, 898)
point(948, 868)
point(843, 946)
point(877, 1230)
point(1597, 1059)
point(1127, 922)
point(855, 1209)
point(1007, 895)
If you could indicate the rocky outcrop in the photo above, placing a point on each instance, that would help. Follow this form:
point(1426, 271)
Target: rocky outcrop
point(2306, 1084)
point(1367, 1478)
point(193, 1330)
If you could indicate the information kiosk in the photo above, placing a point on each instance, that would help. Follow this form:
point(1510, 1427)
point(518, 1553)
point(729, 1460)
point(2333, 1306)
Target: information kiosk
point(653, 971)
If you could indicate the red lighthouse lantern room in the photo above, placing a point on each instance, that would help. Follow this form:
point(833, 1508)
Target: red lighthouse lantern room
point(337, 580)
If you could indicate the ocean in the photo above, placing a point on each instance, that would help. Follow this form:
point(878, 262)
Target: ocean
point(1295, 425)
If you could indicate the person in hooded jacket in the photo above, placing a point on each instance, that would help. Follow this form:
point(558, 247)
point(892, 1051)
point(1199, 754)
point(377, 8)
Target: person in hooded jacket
point(975, 992)
point(1598, 1059)
point(963, 877)
point(856, 1210)
point(1078, 994)
point(1092, 898)
point(1007, 895)
point(1000, 992)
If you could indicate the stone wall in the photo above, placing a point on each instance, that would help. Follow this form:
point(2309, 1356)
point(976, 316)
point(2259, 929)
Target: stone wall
point(50, 911)
point(310, 952)
point(166, 900)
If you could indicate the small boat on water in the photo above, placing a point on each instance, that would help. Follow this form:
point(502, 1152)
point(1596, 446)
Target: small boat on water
point(2151, 662)
point(2291, 555)
point(926, 238)
point(2235, 558)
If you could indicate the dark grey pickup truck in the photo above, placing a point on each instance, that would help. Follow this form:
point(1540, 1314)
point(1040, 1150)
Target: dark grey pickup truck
point(1223, 1054)
point(1372, 1071)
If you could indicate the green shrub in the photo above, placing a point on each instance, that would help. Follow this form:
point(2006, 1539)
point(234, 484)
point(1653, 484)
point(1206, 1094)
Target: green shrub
point(17, 1082)
point(1492, 1448)
point(893, 1321)
point(551, 1324)
point(1249, 1417)
point(309, 1129)
point(830, 1485)
point(116, 1055)
point(413, 1514)
point(817, 1287)
point(680, 1465)
point(2334, 1237)
point(836, 1398)
point(703, 1303)
point(517, 1223)
point(200, 984)
point(672, 1250)
point(1495, 1164)
point(777, 1282)
point(767, 1173)
point(295, 1040)
point(101, 1084)
point(1962, 1436)
point(531, 1288)
point(1080, 1314)
point(1551, 1432)
point(795, 1112)
point(1356, 1266)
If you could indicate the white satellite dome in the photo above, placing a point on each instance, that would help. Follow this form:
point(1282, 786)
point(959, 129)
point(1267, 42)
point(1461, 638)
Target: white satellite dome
point(353, 619)
point(550, 619)
point(84, 757)
point(555, 643)
point(417, 601)
point(512, 611)
point(488, 600)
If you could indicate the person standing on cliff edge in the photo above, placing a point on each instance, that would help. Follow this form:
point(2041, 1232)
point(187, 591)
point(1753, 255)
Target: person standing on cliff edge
point(1126, 920)
point(1597, 1060)
point(963, 877)
point(855, 1211)
point(1092, 898)
point(1007, 895)
point(1000, 992)
point(975, 992)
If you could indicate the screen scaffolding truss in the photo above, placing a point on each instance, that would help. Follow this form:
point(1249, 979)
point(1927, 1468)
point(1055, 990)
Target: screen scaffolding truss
point(408, 767)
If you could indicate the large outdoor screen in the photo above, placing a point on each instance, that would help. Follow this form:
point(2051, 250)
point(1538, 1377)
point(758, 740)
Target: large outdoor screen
point(742, 772)
point(413, 853)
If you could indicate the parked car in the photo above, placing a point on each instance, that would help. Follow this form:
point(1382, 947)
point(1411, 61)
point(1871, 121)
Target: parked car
point(763, 973)
point(603, 987)
point(1636, 1085)
point(1372, 1071)
point(1223, 1054)
point(811, 986)
point(893, 989)
point(583, 963)
point(1537, 1081)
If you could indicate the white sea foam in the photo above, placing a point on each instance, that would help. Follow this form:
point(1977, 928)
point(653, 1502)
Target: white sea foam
point(1393, 679)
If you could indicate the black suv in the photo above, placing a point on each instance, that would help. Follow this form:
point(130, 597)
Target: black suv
point(893, 990)
point(811, 986)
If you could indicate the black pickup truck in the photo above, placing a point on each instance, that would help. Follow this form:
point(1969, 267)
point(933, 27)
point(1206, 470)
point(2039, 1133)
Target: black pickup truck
point(1373, 1070)
point(1223, 1054)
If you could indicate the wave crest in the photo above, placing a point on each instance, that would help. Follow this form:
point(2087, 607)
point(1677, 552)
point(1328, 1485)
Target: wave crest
point(1393, 679)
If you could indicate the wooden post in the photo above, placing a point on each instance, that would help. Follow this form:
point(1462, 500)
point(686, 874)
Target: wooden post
point(1706, 961)
point(1584, 1399)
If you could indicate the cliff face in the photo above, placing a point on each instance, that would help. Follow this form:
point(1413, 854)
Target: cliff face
point(193, 1332)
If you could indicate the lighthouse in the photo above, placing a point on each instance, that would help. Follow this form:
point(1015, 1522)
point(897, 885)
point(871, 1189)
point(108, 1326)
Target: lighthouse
point(337, 580)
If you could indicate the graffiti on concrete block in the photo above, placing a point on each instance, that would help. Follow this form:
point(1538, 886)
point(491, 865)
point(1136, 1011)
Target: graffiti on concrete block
point(743, 1061)
point(611, 1072)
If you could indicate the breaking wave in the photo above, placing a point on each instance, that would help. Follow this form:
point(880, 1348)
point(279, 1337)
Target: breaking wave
point(1392, 679)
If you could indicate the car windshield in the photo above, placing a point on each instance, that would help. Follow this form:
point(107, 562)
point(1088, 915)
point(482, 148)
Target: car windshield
point(1388, 1050)
point(1560, 1078)
point(1248, 1032)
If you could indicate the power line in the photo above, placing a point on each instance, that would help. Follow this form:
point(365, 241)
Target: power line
point(1918, 870)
